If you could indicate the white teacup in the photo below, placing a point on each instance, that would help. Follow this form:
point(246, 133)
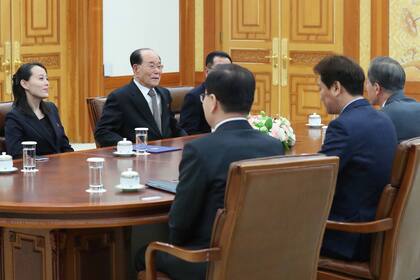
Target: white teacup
point(314, 119)
point(125, 146)
point(129, 179)
point(6, 162)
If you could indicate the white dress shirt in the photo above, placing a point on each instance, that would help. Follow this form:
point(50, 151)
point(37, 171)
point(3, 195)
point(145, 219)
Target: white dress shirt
point(144, 90)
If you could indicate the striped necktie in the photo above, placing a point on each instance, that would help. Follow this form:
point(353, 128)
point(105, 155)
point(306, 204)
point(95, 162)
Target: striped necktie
point(155, 109)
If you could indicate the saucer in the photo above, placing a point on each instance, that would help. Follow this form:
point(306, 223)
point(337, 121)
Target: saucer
point(131, 189)
point(116, 153)
point(13, 169)
point(315, 125)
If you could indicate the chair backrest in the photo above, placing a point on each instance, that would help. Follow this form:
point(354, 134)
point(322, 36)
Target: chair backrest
point(5, 107)
point(401, 257)
point(95, 108)
point(386, 204)
point(274, 218)
point(177, 95)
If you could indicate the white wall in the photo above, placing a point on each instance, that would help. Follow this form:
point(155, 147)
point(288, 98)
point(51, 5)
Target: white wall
point(133, 24)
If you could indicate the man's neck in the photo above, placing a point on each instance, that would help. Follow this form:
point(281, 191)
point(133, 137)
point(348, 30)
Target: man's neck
point(347, 100)
point(226, 116)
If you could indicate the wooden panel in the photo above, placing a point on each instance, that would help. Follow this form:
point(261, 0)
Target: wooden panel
point(312, 21)
point(209, 26)
point(307, 58)
point(84, 63)
point(252, 19)
point(40, 22)
point(86, 251)
point(5, 37)
point(187, 42)
point(262, 99)
point(250, 56)
point(54, 91)
point(380, 28)
point(351, 29)
point(28, 254)
point(50, 60)
point(304, 97)
point(30, 250)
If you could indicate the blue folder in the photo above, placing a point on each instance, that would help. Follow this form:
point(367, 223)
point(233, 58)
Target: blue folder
point(169, 186)
point(155, 149)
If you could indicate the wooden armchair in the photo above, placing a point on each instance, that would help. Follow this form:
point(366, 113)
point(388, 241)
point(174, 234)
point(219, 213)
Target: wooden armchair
point(272, 224)
point(96, 105)
point(5, 107)
point(95, 108)
point(396, 230)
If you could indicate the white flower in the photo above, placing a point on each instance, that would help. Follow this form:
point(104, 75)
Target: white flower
point(280, 128)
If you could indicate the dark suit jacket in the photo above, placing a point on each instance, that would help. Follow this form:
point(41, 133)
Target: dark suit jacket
point(192, 118)
point(201, 189)
point(404, 112)
point(365, 141)
point(126, 108)
point(21, 126)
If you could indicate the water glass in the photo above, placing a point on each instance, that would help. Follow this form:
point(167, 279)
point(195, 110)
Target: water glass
point(141, 140)
point(96, 166)
point(29, 156)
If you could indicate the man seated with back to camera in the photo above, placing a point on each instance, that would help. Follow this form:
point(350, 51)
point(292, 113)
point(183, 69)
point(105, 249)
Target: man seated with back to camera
point(141, 103)
point(385, 87)
point(205, 164)
point(365, 141)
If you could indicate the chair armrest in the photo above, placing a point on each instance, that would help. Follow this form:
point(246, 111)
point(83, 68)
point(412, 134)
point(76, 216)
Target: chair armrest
point(202, 255)
point(362, 227)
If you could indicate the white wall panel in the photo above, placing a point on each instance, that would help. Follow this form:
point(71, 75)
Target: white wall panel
point(133, 24)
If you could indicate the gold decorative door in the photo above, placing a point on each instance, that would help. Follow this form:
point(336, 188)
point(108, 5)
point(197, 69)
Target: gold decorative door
point(35, 30)
point(280, 41)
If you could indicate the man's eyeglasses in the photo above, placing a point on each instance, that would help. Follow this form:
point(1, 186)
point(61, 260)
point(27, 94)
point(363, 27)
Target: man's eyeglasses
point(202, 96)
point(152, 66)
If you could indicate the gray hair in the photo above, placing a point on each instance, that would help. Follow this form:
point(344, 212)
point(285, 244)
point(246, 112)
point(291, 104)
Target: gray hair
point(387, 72)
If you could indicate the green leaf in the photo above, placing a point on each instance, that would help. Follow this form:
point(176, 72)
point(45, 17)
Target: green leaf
point(264, 129)
point(269, 123)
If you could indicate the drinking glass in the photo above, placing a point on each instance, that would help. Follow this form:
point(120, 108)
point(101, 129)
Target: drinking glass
point(29, 156)
point(96, 166)
point(141, 140)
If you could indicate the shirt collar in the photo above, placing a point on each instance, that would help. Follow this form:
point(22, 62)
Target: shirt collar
point(143, 89)
point(228, 120)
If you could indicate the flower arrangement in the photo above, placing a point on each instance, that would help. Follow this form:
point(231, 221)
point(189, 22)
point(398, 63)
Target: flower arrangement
point(278, 128)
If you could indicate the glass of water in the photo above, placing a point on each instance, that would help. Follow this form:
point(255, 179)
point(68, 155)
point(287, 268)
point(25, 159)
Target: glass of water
point(29, 156)
point(141, 140)
point(96, 166)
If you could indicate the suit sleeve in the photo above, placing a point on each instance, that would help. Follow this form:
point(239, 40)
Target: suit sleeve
point(64, 140)
point(14, 134)
point(190, 115)
point(109, 123)
point(337, 143)
point(190, 196)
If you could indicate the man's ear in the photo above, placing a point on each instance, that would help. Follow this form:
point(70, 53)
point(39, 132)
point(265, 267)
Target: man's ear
point(135, 68)
point(336, 88)
point(378, 88)
point(214, 104)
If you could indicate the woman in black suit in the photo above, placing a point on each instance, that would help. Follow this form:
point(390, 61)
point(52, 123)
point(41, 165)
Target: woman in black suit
point(31, 118)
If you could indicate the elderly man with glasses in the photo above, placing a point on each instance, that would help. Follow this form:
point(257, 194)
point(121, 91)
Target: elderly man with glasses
point(141, 103)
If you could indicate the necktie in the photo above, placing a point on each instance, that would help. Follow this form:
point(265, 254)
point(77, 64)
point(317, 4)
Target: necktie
point(155, 109)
